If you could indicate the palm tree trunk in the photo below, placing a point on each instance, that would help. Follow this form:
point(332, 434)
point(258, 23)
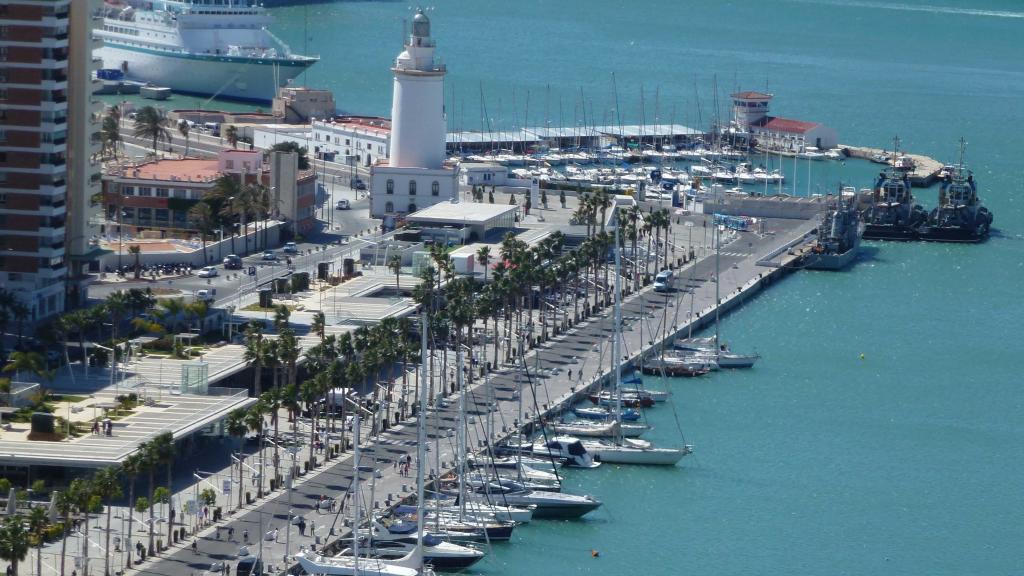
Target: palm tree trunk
point(131, 521)
point(170, 498)
point(152, 480)
point(64, 546)
point(106, 545)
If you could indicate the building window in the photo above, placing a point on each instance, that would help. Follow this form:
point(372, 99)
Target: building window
point(369, 146)
point(347, 142)
point(145, 191)
point(145, 213)
point(412, 187)
point(391, 187)
point(389, 207)
point(180, 193)
point(435, 188)
point(412, 207)
point(162, 193)
point(160, 214)
point(229, 164)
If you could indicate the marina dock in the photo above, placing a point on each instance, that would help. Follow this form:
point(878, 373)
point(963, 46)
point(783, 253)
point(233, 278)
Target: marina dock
point(926, 169)
point(562, 372)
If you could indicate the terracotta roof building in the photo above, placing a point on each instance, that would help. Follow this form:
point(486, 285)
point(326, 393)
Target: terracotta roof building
point(750, 114)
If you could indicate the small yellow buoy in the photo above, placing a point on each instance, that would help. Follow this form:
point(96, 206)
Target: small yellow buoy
point(861, 355)
point(594, 553)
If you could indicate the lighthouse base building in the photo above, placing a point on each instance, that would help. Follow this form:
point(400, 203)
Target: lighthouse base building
point(414, 175)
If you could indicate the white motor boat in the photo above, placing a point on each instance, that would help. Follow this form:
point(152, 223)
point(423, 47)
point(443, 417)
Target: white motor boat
point(549, 504)
point(566, 448)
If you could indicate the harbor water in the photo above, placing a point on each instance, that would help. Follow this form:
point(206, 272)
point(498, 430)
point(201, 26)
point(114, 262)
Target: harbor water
point(905, 460)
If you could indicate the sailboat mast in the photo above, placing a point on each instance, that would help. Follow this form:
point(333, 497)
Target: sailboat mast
point(462, 432)
point(616, 354)
point(718, 272)
point(421, 432)
point(355, 492)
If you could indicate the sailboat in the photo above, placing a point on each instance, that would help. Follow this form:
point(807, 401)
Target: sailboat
point(623, 450)
point(412, 563)
point(715, 351)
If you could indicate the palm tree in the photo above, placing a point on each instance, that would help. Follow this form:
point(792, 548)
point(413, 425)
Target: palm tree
point(107, 482)
point(151, 123)
point(254, 421)
point(319, 325)
point(149, 463)
point(231, 133)
point(312, 391)
point(164, 451)
point(31, 362)
point(131, 466)
point(172, 310)
point(13, 542)
point(183, 128)
point(254, 351)
point(483, 257)
point(201, 217)
point(110, 134)
point(38, 520)
point(136, 251)
point(272, 400)
point(236, 428)
point(395, 265)
point(116, 305)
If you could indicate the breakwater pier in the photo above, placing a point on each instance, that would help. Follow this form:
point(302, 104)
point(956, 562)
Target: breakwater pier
point(924, 173)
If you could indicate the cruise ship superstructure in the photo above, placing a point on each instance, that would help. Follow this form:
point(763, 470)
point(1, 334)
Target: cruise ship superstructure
point(206, 47)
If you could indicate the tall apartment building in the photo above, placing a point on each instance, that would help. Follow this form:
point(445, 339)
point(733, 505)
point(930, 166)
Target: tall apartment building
point(49, 140)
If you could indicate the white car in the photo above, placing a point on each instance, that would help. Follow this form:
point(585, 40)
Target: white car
point(207, 272)
point(269, 255)
point(290, 248)
point(204, 295)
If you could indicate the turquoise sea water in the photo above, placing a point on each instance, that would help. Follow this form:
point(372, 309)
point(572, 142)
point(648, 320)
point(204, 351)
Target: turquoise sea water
point(815, 462)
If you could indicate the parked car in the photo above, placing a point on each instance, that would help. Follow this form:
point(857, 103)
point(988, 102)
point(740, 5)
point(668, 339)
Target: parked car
point(358, 184)
point(269, 255)
point(205, 295)
point(664, 281)
point(290, 248)
point(207, 272)
point(233, 262)
point(342, 205)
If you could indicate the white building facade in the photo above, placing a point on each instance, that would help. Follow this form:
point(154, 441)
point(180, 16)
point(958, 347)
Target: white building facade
point(414, 175)
point(357, 140)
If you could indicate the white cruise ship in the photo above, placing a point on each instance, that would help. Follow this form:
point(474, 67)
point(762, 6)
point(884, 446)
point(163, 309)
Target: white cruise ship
point(206, 47)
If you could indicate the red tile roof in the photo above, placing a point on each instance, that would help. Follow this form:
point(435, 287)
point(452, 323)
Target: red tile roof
point(774, 124)
point(750, 95)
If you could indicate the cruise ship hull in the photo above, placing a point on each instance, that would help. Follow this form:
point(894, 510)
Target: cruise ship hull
point(235, 78)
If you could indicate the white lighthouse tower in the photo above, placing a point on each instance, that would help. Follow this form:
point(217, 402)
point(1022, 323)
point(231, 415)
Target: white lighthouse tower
point(414, 175)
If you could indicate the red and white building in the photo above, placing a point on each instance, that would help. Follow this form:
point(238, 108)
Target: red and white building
point(750, 114)
point(157, 195)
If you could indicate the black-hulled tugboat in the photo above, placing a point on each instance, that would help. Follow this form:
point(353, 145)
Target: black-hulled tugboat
point(838, 234)
point(893, 213)
point(960, 217)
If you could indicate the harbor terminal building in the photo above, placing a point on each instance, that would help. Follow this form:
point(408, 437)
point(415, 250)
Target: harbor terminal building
point(750, 115)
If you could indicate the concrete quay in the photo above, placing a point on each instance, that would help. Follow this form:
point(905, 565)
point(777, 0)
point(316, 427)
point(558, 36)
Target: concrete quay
point(925, 172)
point(580, 351)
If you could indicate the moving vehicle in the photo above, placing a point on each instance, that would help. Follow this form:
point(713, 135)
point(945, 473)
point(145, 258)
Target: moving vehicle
point(205, 295)
point(269, 256)
point(342, 205)
point(290, 248)
point(232, 262)
point(207, 272)
point(664, 280)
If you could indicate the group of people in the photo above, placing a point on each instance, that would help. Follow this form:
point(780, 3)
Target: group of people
point(403, 464)
point(107, 427)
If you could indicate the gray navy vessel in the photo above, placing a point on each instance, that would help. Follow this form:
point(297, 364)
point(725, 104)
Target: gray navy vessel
point(838, 234)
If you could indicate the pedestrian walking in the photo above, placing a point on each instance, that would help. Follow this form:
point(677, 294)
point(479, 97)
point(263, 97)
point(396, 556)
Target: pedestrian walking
point(195, 547)
point(231, 533)
point(245, 536)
